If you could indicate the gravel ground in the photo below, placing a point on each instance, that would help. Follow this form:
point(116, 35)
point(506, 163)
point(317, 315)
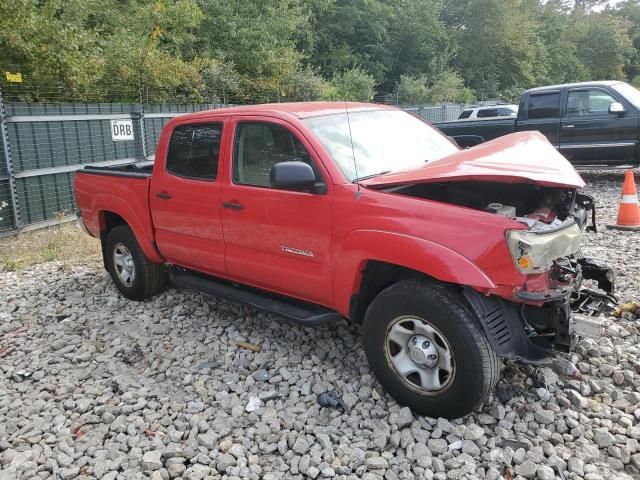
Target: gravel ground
point(95, 386)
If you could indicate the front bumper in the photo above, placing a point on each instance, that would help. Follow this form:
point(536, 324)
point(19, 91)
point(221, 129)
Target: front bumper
point(549, 320)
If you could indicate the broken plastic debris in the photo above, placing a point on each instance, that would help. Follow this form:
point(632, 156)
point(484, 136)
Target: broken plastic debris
point(332, 399)
point(455, 445)
point(506, 391)
point(21, 375)
point(254, 404)
point(249, 346)
point(543, 394)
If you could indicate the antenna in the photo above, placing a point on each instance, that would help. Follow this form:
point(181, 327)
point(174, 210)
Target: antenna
point(353, 151)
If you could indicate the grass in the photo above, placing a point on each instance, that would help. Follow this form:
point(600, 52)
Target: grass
point(64, 242)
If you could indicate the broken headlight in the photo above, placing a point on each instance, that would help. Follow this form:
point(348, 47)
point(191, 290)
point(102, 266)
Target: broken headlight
point(535, 252)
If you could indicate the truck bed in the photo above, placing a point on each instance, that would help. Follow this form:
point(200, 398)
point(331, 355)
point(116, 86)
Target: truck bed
point(468, 133)
point(105, 194)
point(139, 169)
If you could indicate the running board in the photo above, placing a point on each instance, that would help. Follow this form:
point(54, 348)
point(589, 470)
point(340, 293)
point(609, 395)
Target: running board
point(604, 166)
point(303, 313)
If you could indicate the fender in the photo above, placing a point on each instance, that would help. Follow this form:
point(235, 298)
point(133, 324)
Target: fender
point(141, 227)
point(425, 256)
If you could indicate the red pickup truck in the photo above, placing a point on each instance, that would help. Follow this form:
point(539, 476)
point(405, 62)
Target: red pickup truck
point(448, 259)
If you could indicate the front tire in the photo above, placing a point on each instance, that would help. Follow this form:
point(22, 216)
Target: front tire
point(133, 274)
point(428, 349)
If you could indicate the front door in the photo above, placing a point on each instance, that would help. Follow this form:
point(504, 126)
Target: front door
point(590, 134)
point(276, 239)
point(185, 199)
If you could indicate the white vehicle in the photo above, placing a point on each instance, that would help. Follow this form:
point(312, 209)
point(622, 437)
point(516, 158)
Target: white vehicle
point(490, 112)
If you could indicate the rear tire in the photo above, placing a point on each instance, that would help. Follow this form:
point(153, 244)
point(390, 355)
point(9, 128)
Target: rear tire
point(133, 274)
point(428, 350)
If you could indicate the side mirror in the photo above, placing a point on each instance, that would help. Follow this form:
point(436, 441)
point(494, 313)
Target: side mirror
point(616, 108)
point(294, 175)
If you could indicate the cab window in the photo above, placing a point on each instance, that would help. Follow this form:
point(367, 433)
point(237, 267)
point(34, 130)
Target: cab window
point(259, 146)
point(194, 150)
point(544, 105)
point(591, 102)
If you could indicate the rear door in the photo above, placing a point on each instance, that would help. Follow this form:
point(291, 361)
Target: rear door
point(590, 134)
point(542, 113)
point(276, 239)
point(185, 198)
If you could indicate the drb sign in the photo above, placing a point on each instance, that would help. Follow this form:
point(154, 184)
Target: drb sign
point(121, 130)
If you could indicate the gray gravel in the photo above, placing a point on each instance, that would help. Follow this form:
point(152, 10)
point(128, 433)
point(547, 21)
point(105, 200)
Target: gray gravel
point(96, 386)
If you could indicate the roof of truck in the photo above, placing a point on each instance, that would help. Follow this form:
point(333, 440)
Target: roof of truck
point(298, 109)
point(601, 83)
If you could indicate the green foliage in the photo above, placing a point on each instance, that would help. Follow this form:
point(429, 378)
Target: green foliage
point(354, 85)
point(412, 90)
point(499, 47)
point(304, 85)
point(604, 46)
point(260, 51)
point(447, 87)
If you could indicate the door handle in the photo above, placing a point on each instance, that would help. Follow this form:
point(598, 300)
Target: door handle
point(233, 205)
point(568, 126)
point(163, 195)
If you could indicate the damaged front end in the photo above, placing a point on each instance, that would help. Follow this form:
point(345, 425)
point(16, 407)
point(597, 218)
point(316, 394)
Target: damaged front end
point(561, 292)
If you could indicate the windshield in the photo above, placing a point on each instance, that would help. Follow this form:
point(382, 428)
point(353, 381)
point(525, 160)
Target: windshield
point(630, 93)
point(383, 141)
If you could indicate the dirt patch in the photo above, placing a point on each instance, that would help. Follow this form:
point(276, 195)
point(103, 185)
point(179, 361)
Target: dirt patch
point(66, 243)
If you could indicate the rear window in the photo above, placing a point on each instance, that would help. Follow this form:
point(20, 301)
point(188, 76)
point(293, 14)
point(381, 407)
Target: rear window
point(193, 151)
point(465, 114)
point(544, 105)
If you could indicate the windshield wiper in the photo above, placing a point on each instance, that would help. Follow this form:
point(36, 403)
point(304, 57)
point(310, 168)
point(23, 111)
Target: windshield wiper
point(367, 177)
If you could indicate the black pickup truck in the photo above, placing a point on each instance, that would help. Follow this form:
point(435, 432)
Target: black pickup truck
point(592, 123)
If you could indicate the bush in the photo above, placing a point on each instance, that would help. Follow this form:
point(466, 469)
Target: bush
point(447, 87)
point(413, 90)
point(354, 85)
point(304, 85)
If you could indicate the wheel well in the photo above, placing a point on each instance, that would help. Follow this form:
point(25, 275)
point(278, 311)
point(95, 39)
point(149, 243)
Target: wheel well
point(111, 220)
point(376, 276)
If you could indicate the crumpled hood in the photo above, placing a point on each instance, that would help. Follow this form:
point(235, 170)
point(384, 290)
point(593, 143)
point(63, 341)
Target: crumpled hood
point(523, 157)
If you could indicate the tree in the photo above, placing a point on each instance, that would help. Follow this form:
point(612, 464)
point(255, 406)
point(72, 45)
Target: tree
point(556, 32)
point(352, 33)
point(261, 51)
point(418, 41)
point(629, 13)
point(499, 47)
point(603, 46)
point(258, 38)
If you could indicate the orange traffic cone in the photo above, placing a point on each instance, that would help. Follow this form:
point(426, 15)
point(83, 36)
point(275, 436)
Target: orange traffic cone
point(629, 211)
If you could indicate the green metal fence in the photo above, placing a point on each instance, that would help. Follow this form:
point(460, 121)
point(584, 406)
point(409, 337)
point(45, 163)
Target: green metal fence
point(43, 144)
